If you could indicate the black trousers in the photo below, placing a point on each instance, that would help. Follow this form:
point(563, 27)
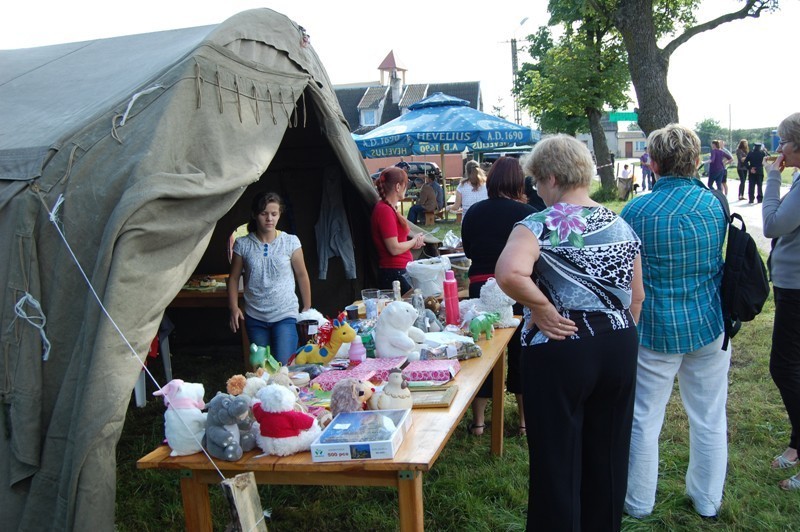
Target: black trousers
point(579, 397)
point(784, 358)
point(753, 181)
point(387, 275)
point(742, 179)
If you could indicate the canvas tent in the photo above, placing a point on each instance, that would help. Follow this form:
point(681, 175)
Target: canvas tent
point(156, 143)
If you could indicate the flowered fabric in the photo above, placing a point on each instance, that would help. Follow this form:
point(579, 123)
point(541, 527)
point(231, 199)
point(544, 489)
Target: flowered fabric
point(585, 268)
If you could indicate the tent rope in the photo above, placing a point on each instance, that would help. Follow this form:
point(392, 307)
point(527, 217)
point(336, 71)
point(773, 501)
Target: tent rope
point(114, 134)
point(219, 92)
point(271, 105)
point(198, 84)
point(295, 111)
point(238, 97)
point(283, 106)
point(255, 99)
point(133, 100)
point(53, 216)
point(38, 320)
point(305, 111)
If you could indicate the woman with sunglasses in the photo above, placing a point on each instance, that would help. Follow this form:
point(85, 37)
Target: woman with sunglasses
point(272, 261)
point(782, 223)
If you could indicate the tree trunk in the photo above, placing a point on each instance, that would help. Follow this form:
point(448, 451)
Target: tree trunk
point(648, 65)
point(604, 166)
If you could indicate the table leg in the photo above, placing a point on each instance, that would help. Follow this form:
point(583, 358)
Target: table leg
point(196, 504)
point(409, 495)
point(498, 400)
point(245, 347)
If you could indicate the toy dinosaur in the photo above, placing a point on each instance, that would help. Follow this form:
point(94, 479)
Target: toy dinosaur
point(328, 341)
point(483, 323)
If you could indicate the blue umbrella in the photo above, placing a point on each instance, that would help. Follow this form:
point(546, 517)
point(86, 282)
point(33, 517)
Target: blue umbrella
point(441, 124)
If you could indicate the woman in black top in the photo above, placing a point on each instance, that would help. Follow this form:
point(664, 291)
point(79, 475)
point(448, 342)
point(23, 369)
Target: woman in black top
point(484, 232)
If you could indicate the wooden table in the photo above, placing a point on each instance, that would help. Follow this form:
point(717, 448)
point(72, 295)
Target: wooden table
point(430, 431)
point(212, 298)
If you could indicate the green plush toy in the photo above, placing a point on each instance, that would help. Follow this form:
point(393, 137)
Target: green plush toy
point(260, 357)
point(483, 323)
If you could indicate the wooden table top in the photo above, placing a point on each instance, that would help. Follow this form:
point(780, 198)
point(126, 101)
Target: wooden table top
point(430, 430)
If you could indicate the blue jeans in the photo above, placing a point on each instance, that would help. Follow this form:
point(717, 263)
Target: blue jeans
point(280, 336)
point(414, 213)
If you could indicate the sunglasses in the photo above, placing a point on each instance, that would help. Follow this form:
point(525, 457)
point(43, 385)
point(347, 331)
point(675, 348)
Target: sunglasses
point(266, 249)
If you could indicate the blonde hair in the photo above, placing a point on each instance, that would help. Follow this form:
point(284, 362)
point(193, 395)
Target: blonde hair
point(675, 149)
point(564, 157)
point(789, 129)
point(474, 174)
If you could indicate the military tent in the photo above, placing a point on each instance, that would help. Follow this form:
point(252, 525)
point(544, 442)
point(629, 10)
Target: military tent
point(135, 157)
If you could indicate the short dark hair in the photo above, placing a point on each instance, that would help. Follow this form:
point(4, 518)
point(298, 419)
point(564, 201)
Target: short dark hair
point(258, 205)
point(506, 179)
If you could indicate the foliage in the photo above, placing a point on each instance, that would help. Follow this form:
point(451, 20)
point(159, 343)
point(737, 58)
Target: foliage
point(708, 130)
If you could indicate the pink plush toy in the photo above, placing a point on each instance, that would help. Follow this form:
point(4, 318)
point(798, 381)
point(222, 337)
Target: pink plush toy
point(184, 423)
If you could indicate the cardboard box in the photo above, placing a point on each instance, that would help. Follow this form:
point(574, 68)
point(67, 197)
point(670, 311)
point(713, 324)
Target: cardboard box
point(363, 435)
point(380, 367)
point(328, 379)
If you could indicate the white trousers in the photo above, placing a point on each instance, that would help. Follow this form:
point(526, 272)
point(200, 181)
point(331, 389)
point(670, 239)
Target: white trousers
point(703, 382)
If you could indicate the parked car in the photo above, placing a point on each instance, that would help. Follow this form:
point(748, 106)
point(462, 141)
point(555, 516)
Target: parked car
point(421, 168)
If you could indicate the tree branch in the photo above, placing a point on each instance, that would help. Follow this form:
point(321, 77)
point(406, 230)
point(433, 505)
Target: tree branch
point(745, 12)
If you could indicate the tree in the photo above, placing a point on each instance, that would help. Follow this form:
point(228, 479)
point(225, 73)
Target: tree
point(574, 79)
point(708, 130)
point(498, 110)
point(642, 23)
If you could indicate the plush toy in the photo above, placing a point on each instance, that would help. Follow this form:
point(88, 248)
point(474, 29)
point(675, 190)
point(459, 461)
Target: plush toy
point(281, 377)
point(282, 430)
point(492, 299)
point(235, 385)
point(229, 428)
point(350, 395)
point(260, 357)
point(184, 423)
point(330, 338)
point(433, 304)
point(395, 334)
point(483, 323)
point(394, 395)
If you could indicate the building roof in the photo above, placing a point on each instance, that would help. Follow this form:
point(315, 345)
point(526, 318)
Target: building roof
point(373, 97)
point(348, 100)
point(466, 90)
point(413, 94)
point(391, 63)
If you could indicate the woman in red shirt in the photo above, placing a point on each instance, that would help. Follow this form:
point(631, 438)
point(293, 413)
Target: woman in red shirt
point(390, 230)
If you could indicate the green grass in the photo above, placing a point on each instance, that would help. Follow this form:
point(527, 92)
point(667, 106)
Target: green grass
point(468, 488)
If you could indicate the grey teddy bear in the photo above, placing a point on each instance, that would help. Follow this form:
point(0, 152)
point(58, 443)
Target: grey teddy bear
point(229, 427)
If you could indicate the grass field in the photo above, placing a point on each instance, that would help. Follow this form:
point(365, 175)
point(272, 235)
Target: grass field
point(468, 488)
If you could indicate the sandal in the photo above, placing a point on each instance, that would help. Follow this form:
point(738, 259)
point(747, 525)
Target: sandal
point(790, 484)
point(522, 432)
point(781, 462)
point(475, 430)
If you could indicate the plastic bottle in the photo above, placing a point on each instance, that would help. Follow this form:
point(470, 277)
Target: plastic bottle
point(418, 302)
point(452, 316)
point(357, 352)
point(398, 296)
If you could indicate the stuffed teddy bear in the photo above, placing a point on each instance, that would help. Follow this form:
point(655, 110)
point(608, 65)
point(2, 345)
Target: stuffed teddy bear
point(350, 395)
point(395, 334)
point(229, 428)
point(282, 430)
point(492, 299)
point(184, 423)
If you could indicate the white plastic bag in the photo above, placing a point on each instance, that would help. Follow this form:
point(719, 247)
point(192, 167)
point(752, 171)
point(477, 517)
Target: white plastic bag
point(428, 274)
point(451, 240)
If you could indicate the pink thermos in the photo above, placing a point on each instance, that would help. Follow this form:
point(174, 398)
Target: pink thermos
point(451, 299)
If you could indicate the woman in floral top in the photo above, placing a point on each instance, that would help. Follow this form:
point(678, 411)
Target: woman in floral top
point(576, 268)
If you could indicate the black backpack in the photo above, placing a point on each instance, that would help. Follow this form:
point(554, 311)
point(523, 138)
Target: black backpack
point(745, 285)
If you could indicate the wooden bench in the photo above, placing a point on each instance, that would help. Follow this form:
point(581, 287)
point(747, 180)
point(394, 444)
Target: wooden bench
point(430, 431)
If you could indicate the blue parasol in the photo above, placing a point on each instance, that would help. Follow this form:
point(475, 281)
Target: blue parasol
point(441, 124)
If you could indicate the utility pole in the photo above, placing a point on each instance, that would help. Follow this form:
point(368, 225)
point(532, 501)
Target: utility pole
point(514, 70)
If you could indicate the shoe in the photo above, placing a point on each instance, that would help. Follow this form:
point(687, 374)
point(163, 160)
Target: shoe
point(741, 198)
point(781, 462)
point(749, 202)
point(790, 484)
point(476, 430)
point(522, 432)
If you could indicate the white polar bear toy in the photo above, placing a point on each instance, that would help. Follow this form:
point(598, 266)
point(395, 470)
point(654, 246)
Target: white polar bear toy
point(184, 423)
point(492, 299)
point(395, 334)
point(282, 430)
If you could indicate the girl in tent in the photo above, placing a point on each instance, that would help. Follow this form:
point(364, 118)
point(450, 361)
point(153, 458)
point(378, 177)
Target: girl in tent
point(390, 230)
point(271, 260)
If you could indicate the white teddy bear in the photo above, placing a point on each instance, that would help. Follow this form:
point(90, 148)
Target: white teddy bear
point(184, 423)
point(492, 299)
point(282, 430)
point(395, 334)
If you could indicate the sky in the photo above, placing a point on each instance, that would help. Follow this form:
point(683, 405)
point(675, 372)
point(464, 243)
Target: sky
point(742, 74)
